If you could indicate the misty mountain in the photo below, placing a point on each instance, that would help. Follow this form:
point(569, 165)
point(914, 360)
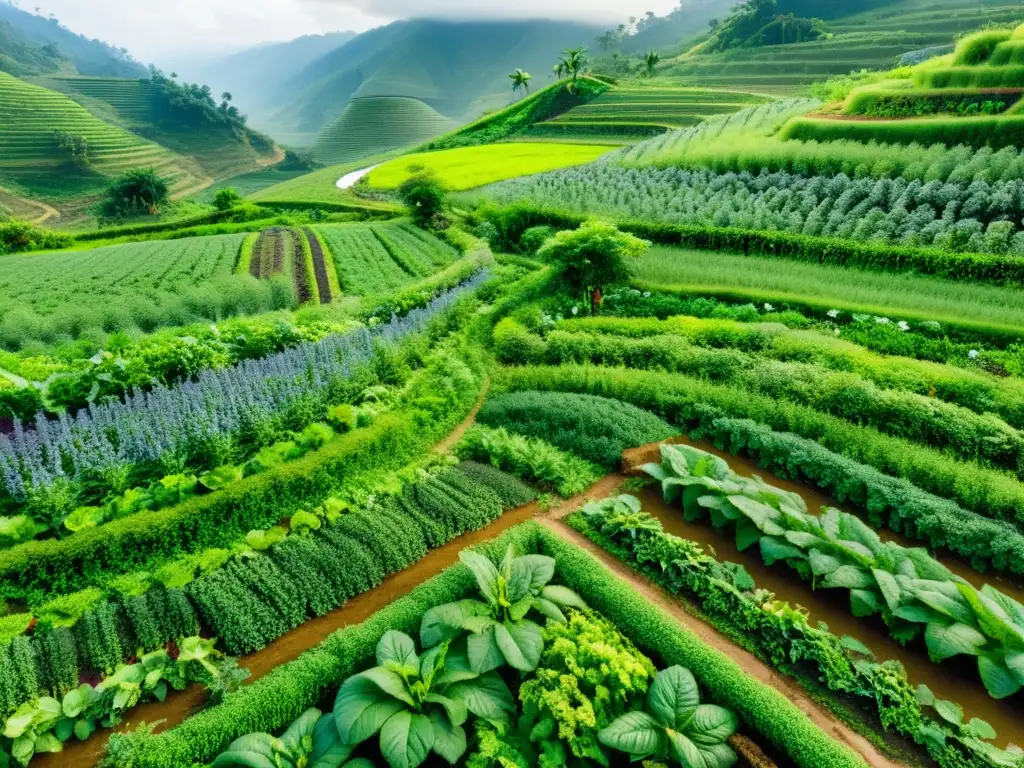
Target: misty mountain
point(90, 57)
point(459, 69)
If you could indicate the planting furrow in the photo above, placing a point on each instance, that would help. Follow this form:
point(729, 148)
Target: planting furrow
point(300, 273)
point(323, 285)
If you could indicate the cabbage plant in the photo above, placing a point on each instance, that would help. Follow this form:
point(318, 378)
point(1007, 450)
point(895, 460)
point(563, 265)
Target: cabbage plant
point(418, 703)
point(496, 629)
point(675, 726)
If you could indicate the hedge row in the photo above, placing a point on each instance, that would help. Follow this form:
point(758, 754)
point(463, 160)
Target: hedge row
point(977, 267)
point(592, 428)
point(978, 391)
point(274, 701)
point(996, 131)
point(688, 403)
point(918, 418)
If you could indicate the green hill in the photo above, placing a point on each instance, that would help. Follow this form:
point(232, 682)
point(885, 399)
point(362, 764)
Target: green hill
point(222, 148)
point(53, 148)
point(459, 69)
point(89, 56)
point(375, 124)
point(869, 39)
point(22, 56)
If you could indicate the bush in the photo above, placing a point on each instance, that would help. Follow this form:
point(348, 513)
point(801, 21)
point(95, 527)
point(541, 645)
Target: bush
point(139, 191)
point(19, 236)
point(995, 131)
point(424, 195)
point(593, 428)
point(226, 199)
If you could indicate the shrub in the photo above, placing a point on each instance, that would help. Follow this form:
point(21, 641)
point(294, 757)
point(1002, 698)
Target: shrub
point(139, 191)
point(226, 199)
point(18, 236)
point(424, 195)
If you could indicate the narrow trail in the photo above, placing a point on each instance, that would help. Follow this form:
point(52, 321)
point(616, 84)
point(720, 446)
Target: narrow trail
point(710, 637)
point(46, 212)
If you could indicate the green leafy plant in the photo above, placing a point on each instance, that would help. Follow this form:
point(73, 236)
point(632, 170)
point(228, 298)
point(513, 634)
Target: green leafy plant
point(418, 703)
point(496, 628)
point(310, 742)
point(675, 725)
point(222, 477)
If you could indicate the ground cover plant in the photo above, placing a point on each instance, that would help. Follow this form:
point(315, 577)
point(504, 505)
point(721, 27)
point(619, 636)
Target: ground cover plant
point(468, 167)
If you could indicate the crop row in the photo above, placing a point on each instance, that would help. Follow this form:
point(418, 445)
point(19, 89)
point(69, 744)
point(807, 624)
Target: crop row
point(275, 701)
point(916, 417)
point(203, 420)
point(981, 524)
point(778, 630)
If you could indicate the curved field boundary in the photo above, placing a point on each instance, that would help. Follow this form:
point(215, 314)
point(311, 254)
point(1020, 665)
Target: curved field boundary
point(320, 271)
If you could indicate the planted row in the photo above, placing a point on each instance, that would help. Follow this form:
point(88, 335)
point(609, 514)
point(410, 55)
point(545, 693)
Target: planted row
point(912, 416)
point(914, 594)
point(781, 633)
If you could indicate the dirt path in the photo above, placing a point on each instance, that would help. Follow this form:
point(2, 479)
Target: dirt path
point(452, 440)
point(46, 212)
point(750, 664)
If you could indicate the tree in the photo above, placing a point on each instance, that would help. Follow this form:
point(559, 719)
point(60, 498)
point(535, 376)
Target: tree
point(521, 81)
point(424, 194)
point(226, 199)
point(574, 62)
point(592, 257)
point(140, 190)
point(651, 62)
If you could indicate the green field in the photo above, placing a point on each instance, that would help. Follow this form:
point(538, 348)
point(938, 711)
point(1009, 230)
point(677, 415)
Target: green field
point(469, 167)
point(378, 258)
point(372, 125)
point(634, 111)
point(30, 155)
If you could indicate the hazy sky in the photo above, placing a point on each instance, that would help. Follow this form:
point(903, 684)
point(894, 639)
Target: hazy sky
point(154, 30)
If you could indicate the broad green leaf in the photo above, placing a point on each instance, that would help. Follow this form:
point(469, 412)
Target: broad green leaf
point(802, 539)
point(361, 708)
point(406, 740)
point(540, 568)
point(673, 697)
point(485, 573)
point(563, 597)
point(991, 616)
point(981, 729)
point(455, 709)
point(549, 610)
point(864, 603)
point(399, 648)
point(456, 665)
point(521, 644)
point(949, 711)
point(391, 683)
point(747, 535)
point(848, 577)
point(944, 642)
point(684, 751)
point(773, 550)
point(855, 529)
point(84, 728)
point(483, 651)
point(257, 750)
point(1015, 663)
point(711, 725)
point(855, 645)
point(823, 564)
point(449, 740)
point(444, 622)
point(302, 728)
point(47, 742)
point(920, 614)
point(487, 697)
point(328, 749)
point(956, 609)
point(636, 733)
point(999, 681)
point(64, 728)
point(891, 591)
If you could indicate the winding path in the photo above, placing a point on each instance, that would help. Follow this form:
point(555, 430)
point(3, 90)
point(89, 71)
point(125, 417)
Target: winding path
point(349, 180)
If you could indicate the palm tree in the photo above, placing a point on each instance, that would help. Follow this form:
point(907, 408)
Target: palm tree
point(521, 81)
point(574, 61)
point(559, 69)
point(651, 61)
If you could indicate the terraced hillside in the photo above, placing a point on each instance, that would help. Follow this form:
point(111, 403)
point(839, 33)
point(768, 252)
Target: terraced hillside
point(52, 147)
point(641, 111)
point(135, 106)
point(376, 124)
point(872, 40)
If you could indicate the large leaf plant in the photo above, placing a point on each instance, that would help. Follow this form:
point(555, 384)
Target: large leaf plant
point(418, 703)
point(495, 630)
point(913, 592)
point(675, 726)
point(310, 742)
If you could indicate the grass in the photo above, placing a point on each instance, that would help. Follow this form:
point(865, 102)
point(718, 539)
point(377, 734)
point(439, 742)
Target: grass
point(469, 167)
point(372, 125)
point(322, 186)
point(899, 296)
point(249, 183)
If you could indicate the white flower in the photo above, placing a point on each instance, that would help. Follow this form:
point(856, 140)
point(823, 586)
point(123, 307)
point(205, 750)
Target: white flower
point(882, 320)
point(575, 310)
point(833, 313)
point(768, 307)
point(860, 318)
point(647, 294)
point(973, 354)
point(903, 325)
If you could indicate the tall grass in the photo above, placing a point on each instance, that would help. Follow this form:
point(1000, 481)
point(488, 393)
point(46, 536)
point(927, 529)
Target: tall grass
point(897, 295)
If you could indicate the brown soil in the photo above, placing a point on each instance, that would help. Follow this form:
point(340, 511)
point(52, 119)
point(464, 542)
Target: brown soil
point(323, 284)
point(751, 665)
point(750, 754)
point(299, 274)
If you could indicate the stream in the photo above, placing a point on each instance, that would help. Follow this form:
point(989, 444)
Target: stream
point(956, 679)
point(349, 180)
